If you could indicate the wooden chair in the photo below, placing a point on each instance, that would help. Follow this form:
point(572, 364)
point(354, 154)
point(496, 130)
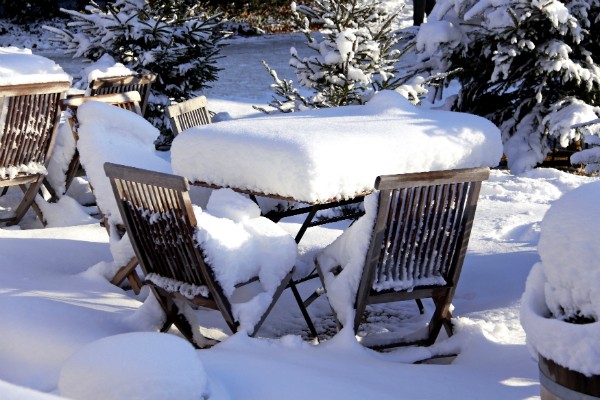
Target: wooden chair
point(127, 100)
point(158, 216)
point(421, 232)
point(29, 118)
point(140, 83)
point(184, 115)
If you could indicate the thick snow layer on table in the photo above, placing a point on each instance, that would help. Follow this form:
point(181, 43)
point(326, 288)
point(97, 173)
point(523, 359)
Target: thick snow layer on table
point(110, 134)
point(20, 66)
point(321, 154)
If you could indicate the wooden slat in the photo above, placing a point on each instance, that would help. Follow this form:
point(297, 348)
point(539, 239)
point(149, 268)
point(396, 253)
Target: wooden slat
point(431, 178)
point(150, 177)
point(34, 88)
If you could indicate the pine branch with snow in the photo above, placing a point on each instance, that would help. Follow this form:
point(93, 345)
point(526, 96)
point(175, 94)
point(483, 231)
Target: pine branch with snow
point(175, 40)
point(352, 58)
point(526, 65)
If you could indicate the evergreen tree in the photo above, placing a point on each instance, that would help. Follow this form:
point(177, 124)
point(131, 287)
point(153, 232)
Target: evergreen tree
point(353, 58)
point(27, 11)
point(530, 66)
point(173, 39)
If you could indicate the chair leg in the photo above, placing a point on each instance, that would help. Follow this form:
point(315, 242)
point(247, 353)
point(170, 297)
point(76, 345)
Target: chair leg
point(309, 323)
point(29, 195)
point(128, 271)
point(441, 317)
point(53, 196)
point(420, 305)
point(72, 170)
point(173, 316)
point(276, 295)
point(448, 325)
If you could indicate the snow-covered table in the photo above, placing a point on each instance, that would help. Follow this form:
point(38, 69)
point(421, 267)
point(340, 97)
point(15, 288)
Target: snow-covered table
point(31, 88)
point(328, 156)
point(319, 156)
point(20, 67)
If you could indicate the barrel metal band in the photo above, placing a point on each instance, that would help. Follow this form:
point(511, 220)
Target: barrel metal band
point(563, 392)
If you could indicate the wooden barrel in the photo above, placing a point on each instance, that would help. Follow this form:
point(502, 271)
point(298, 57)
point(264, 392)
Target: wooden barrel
point(560, 383)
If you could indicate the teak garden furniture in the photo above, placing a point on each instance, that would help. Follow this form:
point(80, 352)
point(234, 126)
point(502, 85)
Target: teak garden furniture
point(187, 114)
point(160, 222)
point(29, 118)
point(418, 245)
point(140, 83)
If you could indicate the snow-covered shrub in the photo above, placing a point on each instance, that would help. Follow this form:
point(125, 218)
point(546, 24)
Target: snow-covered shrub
point(530, 66)
point(353, 56)
point(561, 305)
point(175, 40)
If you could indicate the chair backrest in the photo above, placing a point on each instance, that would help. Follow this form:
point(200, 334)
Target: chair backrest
point(157, 213)
point(187, 114)
point(29, 118)
point(421, 231)
point(140, 83)
point(127, 101)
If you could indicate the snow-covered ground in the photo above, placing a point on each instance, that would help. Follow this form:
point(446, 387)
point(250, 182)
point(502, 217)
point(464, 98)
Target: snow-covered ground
point(60, 315)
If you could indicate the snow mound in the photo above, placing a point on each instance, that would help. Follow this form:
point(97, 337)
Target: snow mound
point(570, 249)
point(148, 365)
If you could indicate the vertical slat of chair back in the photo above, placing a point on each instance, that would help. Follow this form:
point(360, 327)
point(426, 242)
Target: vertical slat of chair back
point(422, 228)
point(190, 113)
point(30, 118)
point(139, 83)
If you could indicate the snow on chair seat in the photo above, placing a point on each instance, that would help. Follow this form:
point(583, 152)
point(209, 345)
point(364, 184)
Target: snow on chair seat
point(64, 169)
point(111, 134)
point(191, 257)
